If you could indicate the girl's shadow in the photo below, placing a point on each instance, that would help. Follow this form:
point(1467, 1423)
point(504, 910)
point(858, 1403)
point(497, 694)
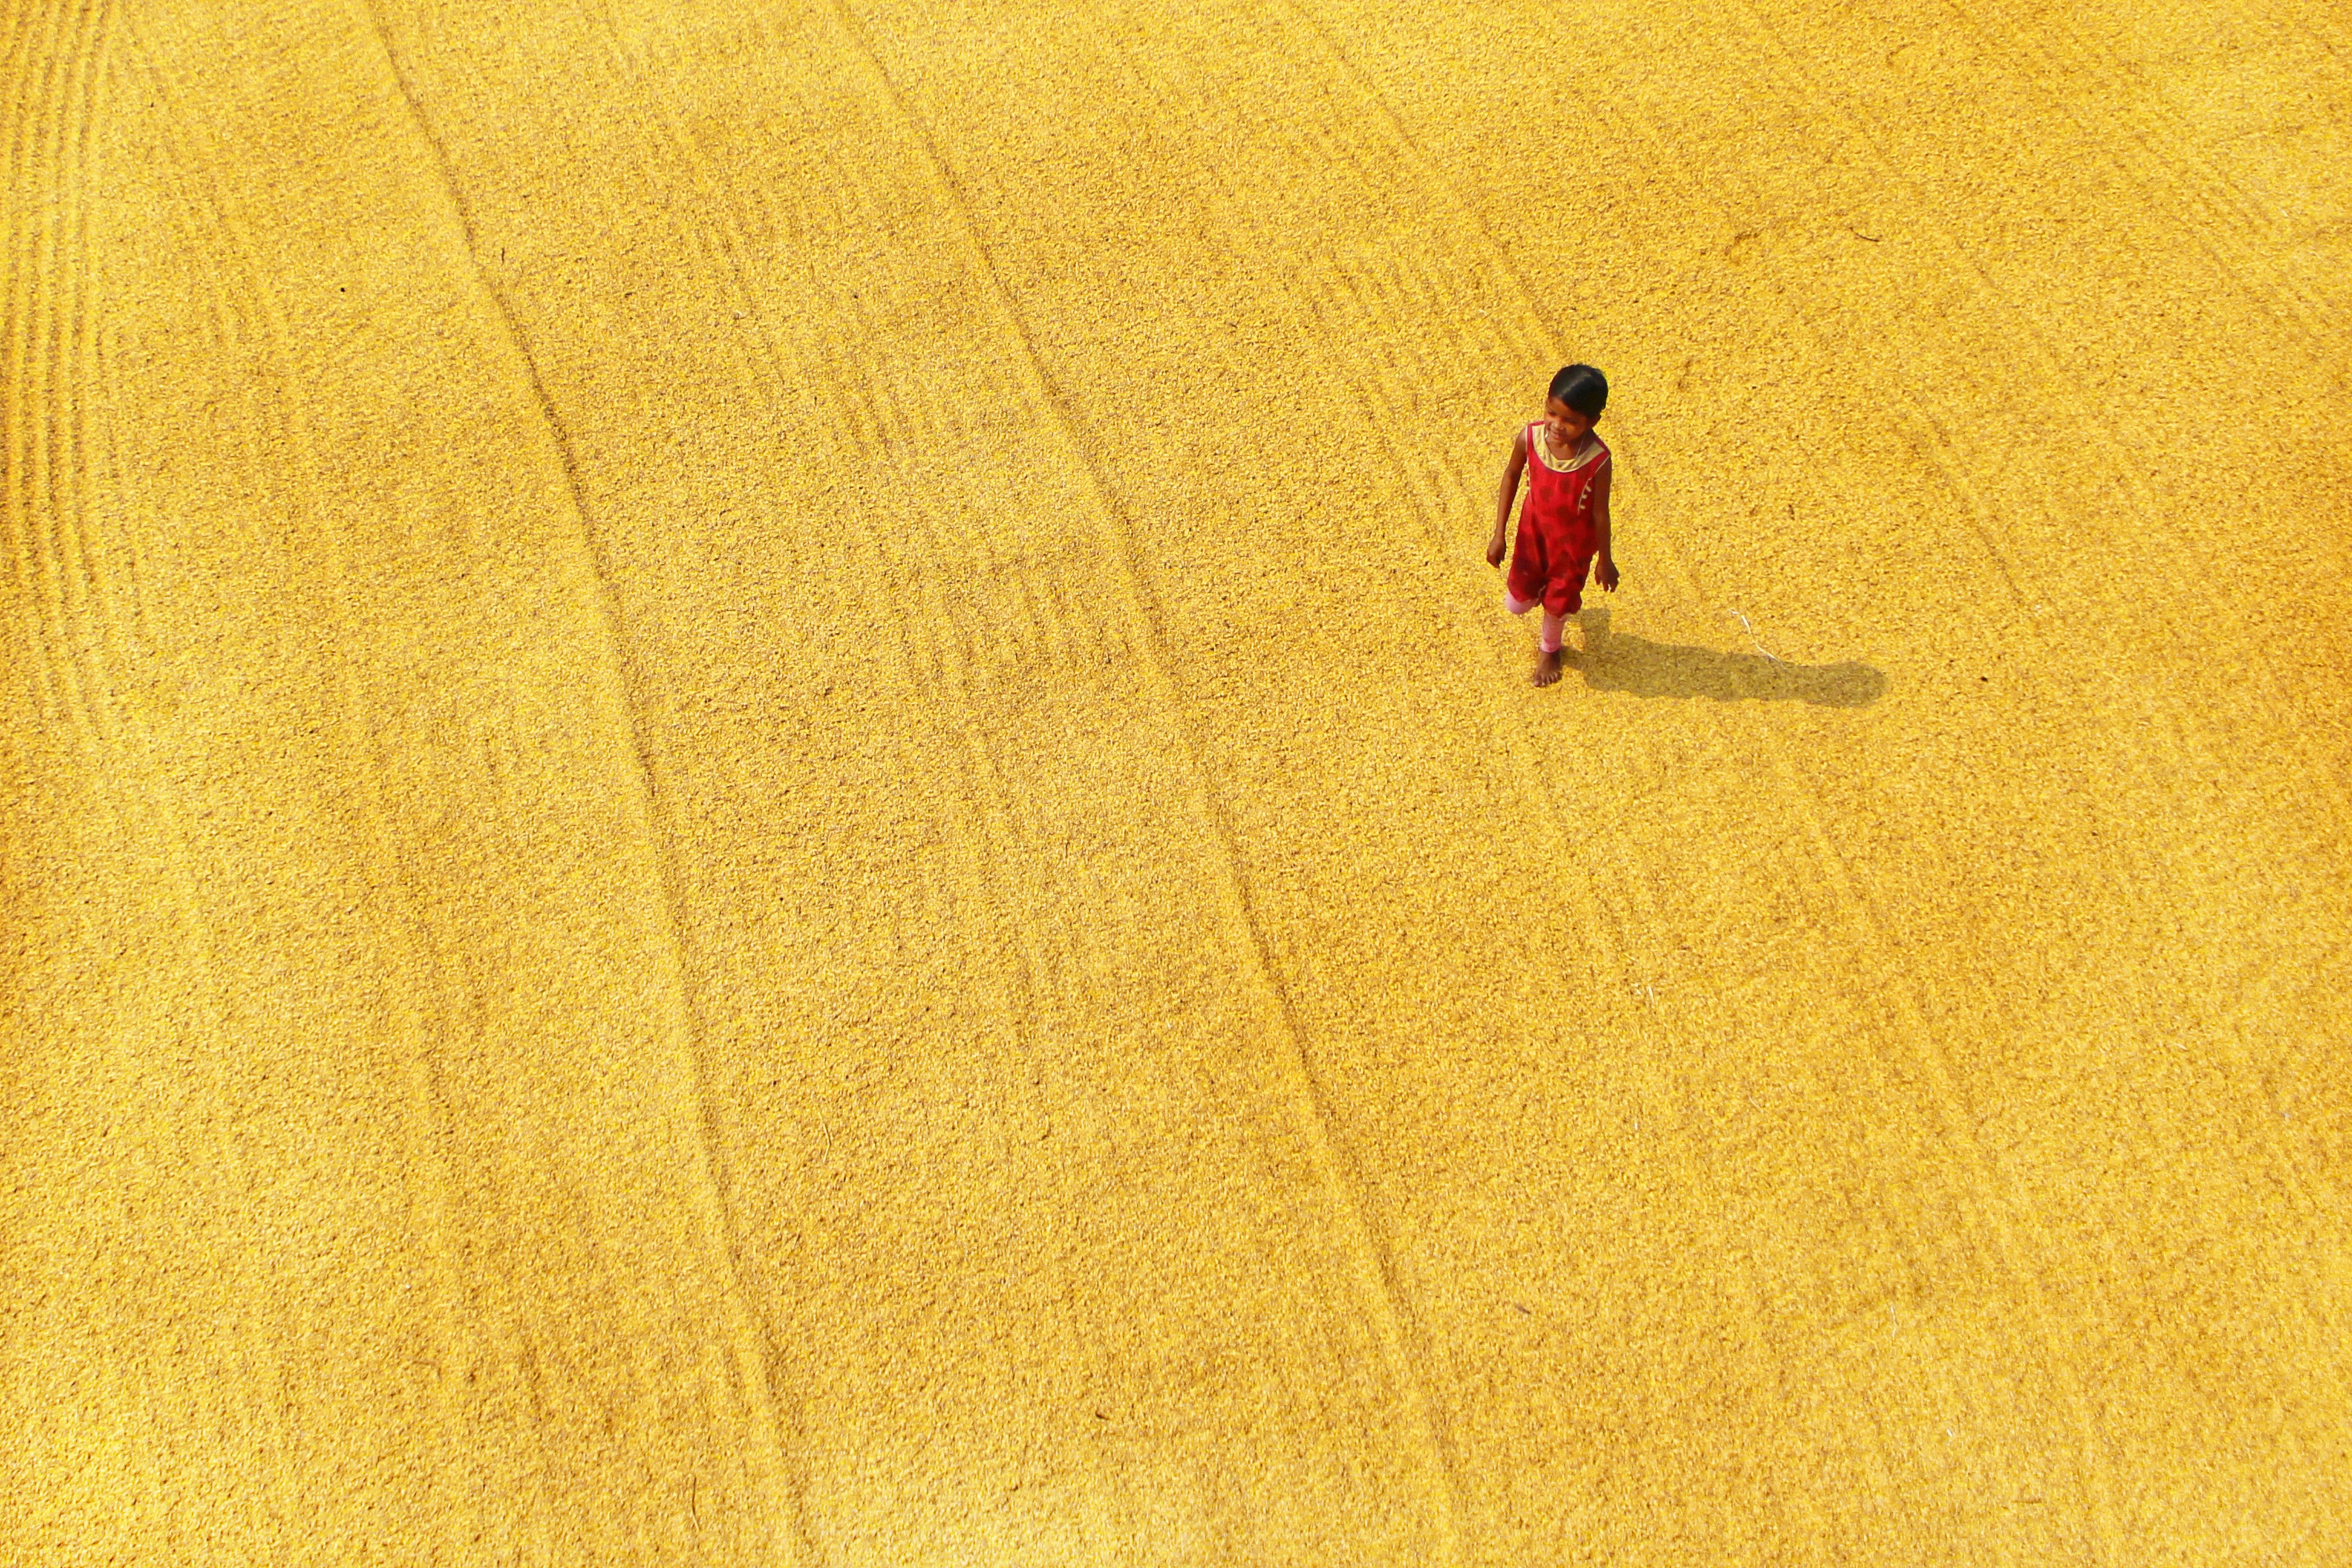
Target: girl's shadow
point(1646, 669)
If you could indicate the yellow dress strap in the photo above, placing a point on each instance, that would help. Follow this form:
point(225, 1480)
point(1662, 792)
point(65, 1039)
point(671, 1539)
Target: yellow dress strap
point(1582, 454)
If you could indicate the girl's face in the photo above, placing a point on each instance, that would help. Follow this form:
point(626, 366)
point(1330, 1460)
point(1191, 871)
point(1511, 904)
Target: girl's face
point(1569, 429)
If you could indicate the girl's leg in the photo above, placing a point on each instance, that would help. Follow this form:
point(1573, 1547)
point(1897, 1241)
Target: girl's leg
point(1549, 642)
point(1547, 668)
point(1551, 624)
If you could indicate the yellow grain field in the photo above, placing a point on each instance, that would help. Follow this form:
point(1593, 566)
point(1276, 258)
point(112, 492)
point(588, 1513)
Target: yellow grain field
point(763, 803)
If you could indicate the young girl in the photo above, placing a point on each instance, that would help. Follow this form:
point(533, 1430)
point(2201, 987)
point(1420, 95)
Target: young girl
point(1564, 527)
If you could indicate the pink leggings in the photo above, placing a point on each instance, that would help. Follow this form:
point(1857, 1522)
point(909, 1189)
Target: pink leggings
point(1551, 623)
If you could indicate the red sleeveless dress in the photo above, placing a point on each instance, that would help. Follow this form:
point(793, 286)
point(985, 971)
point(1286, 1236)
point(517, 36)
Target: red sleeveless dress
point(1554, 547)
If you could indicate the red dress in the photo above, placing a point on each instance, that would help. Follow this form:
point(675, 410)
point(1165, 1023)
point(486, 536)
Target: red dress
point(1554, 547)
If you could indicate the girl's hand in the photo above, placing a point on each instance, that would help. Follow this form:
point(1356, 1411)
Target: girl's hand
point(1606, 573)
point(1495, 548)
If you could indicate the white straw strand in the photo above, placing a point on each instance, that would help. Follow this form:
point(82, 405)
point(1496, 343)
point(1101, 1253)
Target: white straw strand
point(1767, 652)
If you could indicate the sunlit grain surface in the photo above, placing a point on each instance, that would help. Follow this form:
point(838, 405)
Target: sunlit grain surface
point(763, 803)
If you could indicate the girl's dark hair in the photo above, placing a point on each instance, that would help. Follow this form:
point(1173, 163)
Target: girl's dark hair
point(1582, 388)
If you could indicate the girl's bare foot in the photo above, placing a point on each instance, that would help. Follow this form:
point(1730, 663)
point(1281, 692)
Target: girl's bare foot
point(1547, 668)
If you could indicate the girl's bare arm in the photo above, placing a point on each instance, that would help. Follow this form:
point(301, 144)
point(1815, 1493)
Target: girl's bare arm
point(1605, 569)
point(1512, 469)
